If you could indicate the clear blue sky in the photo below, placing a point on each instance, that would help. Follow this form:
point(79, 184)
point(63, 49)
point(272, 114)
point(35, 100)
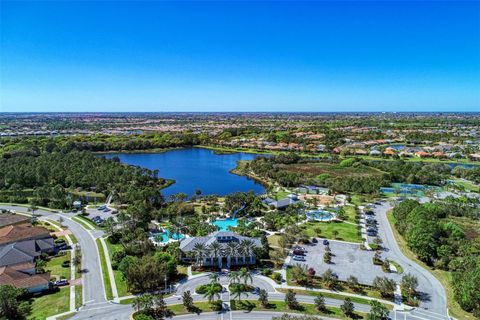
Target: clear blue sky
point(240, 56)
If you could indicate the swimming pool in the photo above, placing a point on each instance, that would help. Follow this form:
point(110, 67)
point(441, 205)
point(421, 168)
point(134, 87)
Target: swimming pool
point(320, 215)
point(165, 236)
point(225, 224)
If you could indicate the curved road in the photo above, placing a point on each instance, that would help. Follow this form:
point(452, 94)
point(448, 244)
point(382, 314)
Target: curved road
point(434, 298)
point(93, 288)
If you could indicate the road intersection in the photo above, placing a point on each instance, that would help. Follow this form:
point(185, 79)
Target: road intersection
point(96, 306)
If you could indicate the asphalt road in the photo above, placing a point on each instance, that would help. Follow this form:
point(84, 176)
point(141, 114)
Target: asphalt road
point(93, 288)
point(434, 297)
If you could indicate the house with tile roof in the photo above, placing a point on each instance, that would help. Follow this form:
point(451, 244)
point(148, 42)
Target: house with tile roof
point(7, 219)
point(22, 232)
point(23, 276)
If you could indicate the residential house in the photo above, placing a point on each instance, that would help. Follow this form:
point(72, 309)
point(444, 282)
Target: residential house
point(22, 232)
point(7, 219)
point(422, 154)
point(23, 276)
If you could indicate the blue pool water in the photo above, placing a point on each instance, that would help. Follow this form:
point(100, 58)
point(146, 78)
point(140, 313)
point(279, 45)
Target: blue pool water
point(165, 236)
point(320, 215)
point(195, 168)
point(225, 224)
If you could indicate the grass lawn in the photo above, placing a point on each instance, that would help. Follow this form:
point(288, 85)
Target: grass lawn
point(50, 304)
point(397, 266)
point(78, 296)
point(119, 281)
point(106, 278)
point(443, 276)
point(84, 222)
point(280, 306)
point(346, 231)
point(350, 212)
point(54, 265)
point(179, 309)
point(467, 185)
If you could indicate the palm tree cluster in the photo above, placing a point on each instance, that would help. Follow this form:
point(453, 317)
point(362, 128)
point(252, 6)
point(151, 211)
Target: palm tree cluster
point(246, 248)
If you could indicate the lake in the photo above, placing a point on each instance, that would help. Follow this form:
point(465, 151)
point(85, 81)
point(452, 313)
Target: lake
point(195, 168)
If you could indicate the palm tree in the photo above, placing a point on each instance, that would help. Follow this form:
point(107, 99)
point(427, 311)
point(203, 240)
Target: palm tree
point(199, 251)
point(245, 275)
point(246, 247)
point(236, 291)
point(215, 249)
point(234, 277)
point(214, 278)
point(231, 250)
point(211, 292)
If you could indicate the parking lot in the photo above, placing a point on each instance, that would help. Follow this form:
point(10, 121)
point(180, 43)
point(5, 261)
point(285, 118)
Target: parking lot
point(347, 259)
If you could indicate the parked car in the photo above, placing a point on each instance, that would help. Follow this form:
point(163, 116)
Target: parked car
point(314, 240)
point(298, 252)
point(326, 242)
point(101, 207)
point(61, 282)
point(299, 258)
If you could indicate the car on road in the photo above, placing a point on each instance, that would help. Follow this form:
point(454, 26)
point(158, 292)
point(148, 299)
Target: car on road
point(325, 242)
point(256, 290)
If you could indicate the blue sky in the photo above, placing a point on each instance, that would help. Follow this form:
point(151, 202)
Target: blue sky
point(240, 56)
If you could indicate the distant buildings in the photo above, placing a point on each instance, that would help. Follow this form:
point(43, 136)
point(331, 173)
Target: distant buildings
point(283, 203)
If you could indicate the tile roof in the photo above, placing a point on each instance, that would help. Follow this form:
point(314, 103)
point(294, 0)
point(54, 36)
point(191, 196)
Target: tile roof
point(20, 279)
point(13, 253)
point(7, 219)
point(26, 231)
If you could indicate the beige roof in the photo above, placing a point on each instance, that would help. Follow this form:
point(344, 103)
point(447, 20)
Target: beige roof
point(26, 231)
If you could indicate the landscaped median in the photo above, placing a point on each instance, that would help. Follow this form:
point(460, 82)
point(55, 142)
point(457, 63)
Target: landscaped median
point(303, 308)
point(105, 275)
point(86, 223)
point(253, 305)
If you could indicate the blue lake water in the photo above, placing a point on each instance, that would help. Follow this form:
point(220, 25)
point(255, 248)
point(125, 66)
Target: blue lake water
point(195, 168)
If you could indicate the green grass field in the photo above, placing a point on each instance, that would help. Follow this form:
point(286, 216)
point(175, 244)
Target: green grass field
point(106, 278)
point(47, 305)
point(346, 231)
point(84, 222)
point(119, 281)
point(54, 265)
